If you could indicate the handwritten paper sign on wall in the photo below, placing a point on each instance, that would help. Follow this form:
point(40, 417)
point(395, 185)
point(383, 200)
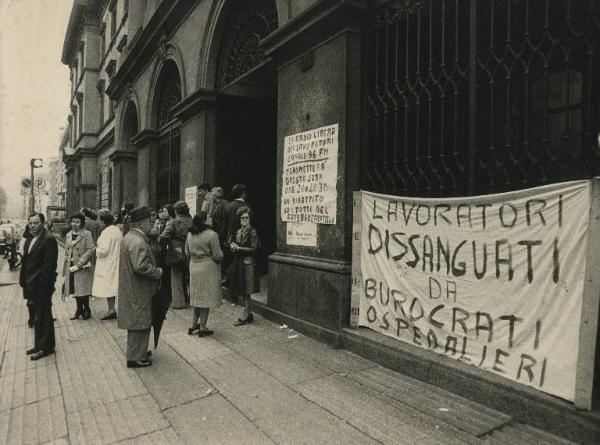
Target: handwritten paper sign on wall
point(309, 186)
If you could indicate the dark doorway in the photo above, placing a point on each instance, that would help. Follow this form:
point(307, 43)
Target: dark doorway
point(247, 154)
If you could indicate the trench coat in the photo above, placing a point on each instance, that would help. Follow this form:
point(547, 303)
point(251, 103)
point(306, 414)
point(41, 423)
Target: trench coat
point(82, 251)
point(106, 274)
point(138, 281)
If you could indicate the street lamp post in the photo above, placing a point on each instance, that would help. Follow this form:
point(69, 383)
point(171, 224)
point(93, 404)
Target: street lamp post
point(33, 163)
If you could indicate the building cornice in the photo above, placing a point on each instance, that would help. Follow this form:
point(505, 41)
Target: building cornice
point(144, 137)
point(164, 21)
point(201, 100)
point(82, 11)
point(83, 152)
point(120, 155)
point(317, 24)
point(107, 140)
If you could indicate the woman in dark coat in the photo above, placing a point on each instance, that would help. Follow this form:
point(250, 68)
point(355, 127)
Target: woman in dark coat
point(244, 276)
point(174, 236)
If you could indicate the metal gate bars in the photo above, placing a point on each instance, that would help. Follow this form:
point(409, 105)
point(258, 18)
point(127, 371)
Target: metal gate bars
point(468, 97)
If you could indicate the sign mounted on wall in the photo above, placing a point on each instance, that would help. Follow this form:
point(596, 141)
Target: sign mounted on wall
point(301, 234)
point(191, 196)
point(497, 282)
point(309, 183)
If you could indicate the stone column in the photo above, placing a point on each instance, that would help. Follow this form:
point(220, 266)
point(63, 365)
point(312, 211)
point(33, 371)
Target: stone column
point(125, 178)
point(146, 142)
point(198, 138)
point(70, 186)
point(318, 57)
point(86, 188)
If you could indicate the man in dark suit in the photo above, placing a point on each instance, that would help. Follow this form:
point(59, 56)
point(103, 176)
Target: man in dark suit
point(37, 278)
point(231, 226)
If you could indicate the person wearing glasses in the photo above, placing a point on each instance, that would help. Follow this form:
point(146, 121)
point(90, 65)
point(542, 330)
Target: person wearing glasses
point(244, 276)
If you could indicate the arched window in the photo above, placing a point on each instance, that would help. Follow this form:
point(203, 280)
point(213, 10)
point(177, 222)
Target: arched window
point(246, 26)
point(168, 154)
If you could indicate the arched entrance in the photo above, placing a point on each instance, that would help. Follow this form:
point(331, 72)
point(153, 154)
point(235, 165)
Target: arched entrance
point(168, 94)
point(122, 178)
point(247, 114)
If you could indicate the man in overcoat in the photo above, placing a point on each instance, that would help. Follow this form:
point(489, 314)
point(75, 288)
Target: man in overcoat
point(138, 282)
point(37, 278)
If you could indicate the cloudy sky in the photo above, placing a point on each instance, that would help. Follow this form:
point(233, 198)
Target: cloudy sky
point(34, 84)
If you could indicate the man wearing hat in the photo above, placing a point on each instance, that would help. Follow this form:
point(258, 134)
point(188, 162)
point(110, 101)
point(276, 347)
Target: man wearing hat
point(138, 282)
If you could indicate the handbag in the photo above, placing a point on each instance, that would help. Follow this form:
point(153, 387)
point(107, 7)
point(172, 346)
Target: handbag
point(174, 256)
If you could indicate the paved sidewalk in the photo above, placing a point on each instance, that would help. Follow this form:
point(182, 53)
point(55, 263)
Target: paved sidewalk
point(254, 384)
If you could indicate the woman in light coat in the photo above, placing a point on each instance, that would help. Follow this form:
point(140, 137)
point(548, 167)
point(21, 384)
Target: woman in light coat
point(106, 274)
point(78, 268)
point(203, 249)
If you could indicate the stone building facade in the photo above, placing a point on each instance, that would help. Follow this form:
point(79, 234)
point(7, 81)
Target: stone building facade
point(169, 94)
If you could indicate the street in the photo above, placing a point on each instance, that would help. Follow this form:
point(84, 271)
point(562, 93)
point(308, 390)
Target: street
point(260, 383)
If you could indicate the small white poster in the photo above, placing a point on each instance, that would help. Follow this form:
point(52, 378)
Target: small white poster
point(301, 234)
point(191, 194)
point(309, 183)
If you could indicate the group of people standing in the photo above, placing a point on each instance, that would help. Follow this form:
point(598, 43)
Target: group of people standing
point(168, 254)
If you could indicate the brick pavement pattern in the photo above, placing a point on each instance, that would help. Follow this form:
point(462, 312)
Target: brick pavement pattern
point(255, 384)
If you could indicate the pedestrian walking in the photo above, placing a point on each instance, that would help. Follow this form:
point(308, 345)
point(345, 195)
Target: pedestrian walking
point(106, 273)
point(231, 224)
point(138, 283)
point(174, 237)
point(244, 276)
point(37, 278)
point(78, 268)
point(203, 249)
point(91, 223)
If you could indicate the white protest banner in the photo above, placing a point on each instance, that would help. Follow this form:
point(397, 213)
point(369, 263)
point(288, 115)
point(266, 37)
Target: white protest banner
point(309, 192)
point(494, 281)
point(301, 234)
point(191, 194)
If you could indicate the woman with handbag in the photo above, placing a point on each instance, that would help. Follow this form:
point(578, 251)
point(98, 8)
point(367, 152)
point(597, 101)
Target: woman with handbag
point(174, 236)
point(78, 269)
point(204, 251)
point(244, 276)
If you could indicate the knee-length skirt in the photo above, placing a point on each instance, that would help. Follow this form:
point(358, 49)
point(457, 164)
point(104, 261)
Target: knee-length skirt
point(205, 284)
